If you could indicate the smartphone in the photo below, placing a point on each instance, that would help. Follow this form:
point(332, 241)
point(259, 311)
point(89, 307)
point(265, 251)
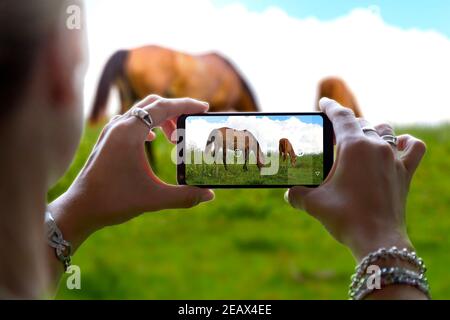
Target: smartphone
point(254, 150)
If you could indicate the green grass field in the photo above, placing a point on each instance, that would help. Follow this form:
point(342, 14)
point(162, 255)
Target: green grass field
point(304, 172)
point(249, 244)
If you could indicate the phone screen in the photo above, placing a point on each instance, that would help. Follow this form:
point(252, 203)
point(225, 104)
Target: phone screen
point(254, 150)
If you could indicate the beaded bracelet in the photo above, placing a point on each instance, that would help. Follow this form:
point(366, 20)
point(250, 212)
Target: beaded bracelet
point(383, 254)
point(394, 276)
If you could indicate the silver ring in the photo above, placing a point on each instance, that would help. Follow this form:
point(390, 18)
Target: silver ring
point(365, 130)
point(143, 115)
point(392, 140)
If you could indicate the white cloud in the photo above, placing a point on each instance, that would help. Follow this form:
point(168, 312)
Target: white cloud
point(398, 75)
point(304, 137)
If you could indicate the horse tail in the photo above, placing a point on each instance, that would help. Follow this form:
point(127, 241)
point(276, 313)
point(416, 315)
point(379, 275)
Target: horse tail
point(113, 69)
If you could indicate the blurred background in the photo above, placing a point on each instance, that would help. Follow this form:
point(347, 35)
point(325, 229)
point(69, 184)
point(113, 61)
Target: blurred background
point(387, 60)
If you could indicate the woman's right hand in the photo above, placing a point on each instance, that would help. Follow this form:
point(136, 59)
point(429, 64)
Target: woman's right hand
point(117, 183)
point(362, 201)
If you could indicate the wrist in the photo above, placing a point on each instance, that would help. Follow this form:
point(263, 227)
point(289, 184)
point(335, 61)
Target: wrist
point(362, 246)
point(68, 213)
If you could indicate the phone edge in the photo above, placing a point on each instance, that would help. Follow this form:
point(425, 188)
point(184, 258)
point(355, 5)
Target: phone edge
point(327, 141)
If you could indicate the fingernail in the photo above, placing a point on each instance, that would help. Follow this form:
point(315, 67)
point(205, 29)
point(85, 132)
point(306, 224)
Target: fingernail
point(205, 103)
point(206, 196)
point(286, 196)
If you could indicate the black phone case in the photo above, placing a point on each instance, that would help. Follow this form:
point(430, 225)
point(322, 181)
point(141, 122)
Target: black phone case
point(328, 148)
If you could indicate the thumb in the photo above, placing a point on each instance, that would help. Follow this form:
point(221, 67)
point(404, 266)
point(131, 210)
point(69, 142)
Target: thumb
point(295, 196)
point(174, 197)
point(413, 151)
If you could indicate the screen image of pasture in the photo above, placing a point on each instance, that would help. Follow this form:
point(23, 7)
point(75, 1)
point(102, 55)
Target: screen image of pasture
point(308, 170)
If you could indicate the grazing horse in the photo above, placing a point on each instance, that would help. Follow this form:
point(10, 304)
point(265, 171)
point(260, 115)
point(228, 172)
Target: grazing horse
point(172, 74)
point(336, 89)
point(231, 139)
point(285, 148)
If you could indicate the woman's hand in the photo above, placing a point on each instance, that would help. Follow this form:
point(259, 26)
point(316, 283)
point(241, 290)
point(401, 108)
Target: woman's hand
point(362, 202)
point(117, 183)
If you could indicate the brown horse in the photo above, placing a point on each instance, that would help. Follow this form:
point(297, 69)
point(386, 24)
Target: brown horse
point(285, 148)
point(172, 74)
point(336, 89)
point(231, 139)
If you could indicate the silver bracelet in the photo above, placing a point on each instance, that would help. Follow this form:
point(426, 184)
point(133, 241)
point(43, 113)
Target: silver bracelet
point(383, 254)
point(394, 276)
point(63, 248)
point(380, 272)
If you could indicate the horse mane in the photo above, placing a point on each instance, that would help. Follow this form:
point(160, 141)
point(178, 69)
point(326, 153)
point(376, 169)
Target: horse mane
point(244, 83)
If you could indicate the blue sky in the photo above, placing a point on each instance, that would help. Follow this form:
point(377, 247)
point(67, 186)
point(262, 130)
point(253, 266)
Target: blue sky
point(222, 119)
point(305, 119)
point(304, 132)
point(393, 65)
point(217, 119)
point(426, 15)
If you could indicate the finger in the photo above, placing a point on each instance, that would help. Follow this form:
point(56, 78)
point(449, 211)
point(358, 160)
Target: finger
point(344, 122)
point(164, 109)
point(160, 111)
point(173, 197)
point(116, 117)
point(168, 127)
point(413, 151)
point(147, 101)
point(126, 117)
point(295, 196)
point(109, 125)
point(385, 129)
point(369, 133)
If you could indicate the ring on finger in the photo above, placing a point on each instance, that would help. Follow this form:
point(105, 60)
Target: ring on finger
point(391, 139)
point(143, 115)
point(367, 130)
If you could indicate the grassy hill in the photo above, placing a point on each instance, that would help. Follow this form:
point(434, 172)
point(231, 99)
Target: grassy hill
point(249, 244)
